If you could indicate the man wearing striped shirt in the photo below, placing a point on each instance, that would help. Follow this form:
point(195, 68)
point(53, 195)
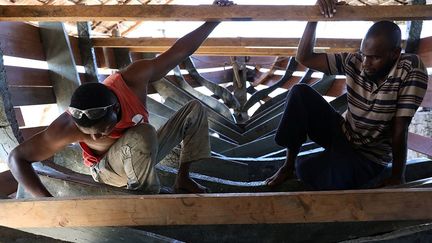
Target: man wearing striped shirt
point(384, 90)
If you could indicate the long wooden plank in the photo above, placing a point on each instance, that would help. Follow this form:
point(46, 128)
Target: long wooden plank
point(202, 12)
point(19, 76)
point(223, 51)
point(32, 95)
point(21, 40)
point(22, 48)
point(203, 209)
point(348, 44)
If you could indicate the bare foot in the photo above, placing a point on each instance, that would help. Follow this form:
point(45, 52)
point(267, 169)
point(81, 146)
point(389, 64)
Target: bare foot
point(187, 185)
point(283, 174)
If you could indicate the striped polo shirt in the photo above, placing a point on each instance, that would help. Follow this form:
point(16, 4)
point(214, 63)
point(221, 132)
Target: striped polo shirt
point(371, 108)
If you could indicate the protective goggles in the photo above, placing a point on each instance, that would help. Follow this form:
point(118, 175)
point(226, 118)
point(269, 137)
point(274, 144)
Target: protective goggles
point(92, 113)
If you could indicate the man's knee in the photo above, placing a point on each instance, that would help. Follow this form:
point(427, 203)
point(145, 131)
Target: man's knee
point(301, 89)
point(195, 106)
point(142, 136)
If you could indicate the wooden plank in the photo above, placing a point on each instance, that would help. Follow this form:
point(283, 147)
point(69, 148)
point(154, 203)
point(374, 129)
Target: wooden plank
point(420, 143)
point(202, 12)
point(19, 116)
point(20, 31)
point(425, 51)
point(22, 48)
point(8, 184)
point(348, 44)
point(223, 51)
point(427, 100)
point(208, 209)
point(29, 132)
point(75, 50)
point(32, 95)
point(21, 40)
point(20, 76)
point(87, 53)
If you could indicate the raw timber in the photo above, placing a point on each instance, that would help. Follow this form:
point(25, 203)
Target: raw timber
point(240, 208)
point(199, 13)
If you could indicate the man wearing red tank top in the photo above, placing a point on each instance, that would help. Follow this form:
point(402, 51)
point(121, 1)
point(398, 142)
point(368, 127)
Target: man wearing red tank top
point(110, 121)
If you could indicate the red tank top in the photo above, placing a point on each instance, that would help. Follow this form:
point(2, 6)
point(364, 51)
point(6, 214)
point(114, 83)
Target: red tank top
point(133, 112)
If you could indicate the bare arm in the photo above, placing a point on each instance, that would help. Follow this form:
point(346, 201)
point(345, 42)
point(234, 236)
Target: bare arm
point(399, 150)
point(305, 54)
point(37, 148)
point(140, 72)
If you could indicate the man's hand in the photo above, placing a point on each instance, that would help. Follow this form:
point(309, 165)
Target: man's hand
point(223, 3)
point(328, 7)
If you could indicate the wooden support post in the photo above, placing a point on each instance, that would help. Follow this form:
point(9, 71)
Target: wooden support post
point(87, 52)
point(212, 209)
point(414, 29)
point(9, 129)
point(61, 63)
point(121, 55)
point(201, 12)
point(240, 89)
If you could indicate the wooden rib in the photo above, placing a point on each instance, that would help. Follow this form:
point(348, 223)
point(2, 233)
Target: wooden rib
point(209, 12)
point(247, 208)
point(270, 73)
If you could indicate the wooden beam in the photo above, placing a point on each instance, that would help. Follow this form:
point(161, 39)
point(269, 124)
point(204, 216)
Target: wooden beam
point(209, 12)
point(212, 209)
point(348, 44)
point(232, 46)
point(228, 51)
point(87, 52)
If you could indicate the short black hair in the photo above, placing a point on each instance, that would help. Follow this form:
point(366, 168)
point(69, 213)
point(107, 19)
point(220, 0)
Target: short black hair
point(91, 95)
point(388, 30)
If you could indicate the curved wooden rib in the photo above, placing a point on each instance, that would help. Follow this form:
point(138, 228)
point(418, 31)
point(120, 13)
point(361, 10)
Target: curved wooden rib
point(292, 64)
point(277, 99)
point(227, 97)
point(210, 101)
point(268, 74)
